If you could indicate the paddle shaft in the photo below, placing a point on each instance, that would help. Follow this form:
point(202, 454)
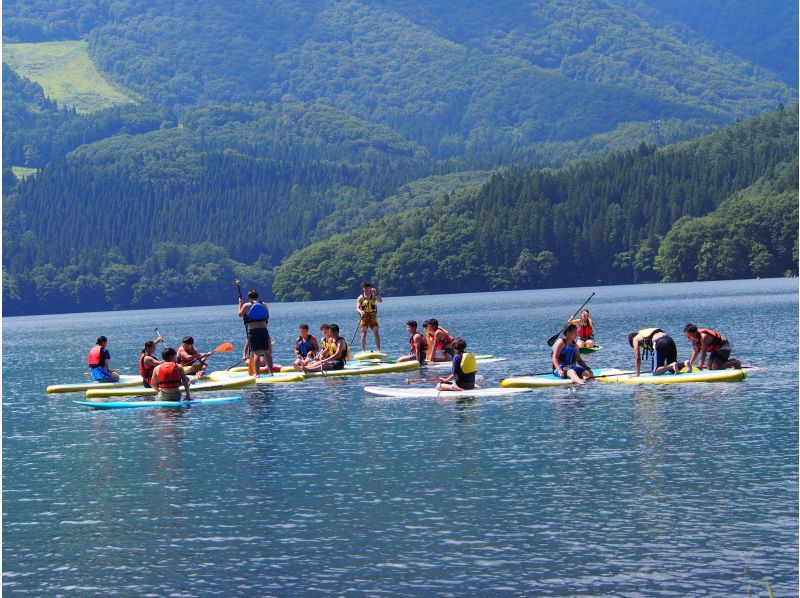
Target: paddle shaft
point(554, 338)
point(420, 380)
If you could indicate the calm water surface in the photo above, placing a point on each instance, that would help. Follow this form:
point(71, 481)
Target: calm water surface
point(317, 488)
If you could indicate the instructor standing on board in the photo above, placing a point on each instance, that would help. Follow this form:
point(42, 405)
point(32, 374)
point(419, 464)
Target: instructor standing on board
point(367, 308)
point(256, 317)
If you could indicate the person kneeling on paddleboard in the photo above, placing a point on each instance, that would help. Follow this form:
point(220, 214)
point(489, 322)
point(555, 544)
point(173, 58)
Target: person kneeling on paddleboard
point(586, 328)
point(659, 346)
point(567, 360)
point(99, 362)
point(440, 342)
point(710, 342)
point(419, 344)
point(464, 369)
point(168, 377)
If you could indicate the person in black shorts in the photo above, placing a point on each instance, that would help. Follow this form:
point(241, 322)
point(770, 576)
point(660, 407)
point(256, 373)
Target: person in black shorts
point(256, 318)
point(659, 347)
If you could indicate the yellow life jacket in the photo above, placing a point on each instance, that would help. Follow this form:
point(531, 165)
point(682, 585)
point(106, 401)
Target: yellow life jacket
point(469, 363)
point(328, 347)
point(647, 335)
point(368, 305)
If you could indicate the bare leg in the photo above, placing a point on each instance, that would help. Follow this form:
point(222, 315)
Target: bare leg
point(363, 338)
point(573, 375)
point(377, 338)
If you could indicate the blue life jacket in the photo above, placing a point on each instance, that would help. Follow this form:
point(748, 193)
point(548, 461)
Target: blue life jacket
point(568, 355)
point(258, 312)
point(304, 347)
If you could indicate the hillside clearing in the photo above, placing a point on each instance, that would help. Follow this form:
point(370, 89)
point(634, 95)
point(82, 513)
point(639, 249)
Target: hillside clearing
point(66, 73)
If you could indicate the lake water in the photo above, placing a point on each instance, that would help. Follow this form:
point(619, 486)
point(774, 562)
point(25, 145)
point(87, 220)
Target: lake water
point(316, 487)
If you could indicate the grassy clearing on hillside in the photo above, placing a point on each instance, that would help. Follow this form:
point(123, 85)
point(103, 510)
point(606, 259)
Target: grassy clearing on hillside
point(66, 73)
point(22, 172)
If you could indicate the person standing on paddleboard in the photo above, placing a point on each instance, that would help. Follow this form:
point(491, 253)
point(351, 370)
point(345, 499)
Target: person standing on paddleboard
point(168, 377)
point(659, 346)
point(256, 317)
point(419, 344)
point(464, 369)
point(567, 360)
point(707, 342)
point(99, 362)
point(367, 308)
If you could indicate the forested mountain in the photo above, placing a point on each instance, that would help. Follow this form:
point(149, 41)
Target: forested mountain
point(724, 206)
point(260, 127)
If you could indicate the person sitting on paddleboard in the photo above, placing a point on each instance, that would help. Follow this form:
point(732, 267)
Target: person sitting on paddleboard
point(567, 360)
point(586, 328)
point(168, 377)
point(256, 317)
point(148, 362)
point(659, 346)
point(464, 369)
point(335, 360)
point(440, 342)
point(707, 342)
point(191, 359)
point(99, 362)
point(306, 348)
point(367, 308)
point(419, 344)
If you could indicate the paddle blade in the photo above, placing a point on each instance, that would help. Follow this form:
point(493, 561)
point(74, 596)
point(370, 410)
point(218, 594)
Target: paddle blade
point(225, 347)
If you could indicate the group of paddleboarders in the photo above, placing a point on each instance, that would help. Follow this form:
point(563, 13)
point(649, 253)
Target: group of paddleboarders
point(654, 344)
point(430, 345)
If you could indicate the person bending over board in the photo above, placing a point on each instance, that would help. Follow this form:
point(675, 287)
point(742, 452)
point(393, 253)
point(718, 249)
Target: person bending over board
point(306, 348)
point(440, 342)
point(256, 318)
point(337, 359)
point(710, 343)
point(586, 328)
point(464, 369)
point(419, 344)
point(168, 377)
point(367, 308)
point(99, 362)
point(567, 360)
point(659, 346)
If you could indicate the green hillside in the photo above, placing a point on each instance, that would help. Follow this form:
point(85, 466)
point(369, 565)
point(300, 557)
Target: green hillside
point(596, 222)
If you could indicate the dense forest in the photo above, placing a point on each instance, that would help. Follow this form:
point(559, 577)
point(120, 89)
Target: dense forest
point(265, 140)
point(724, 206)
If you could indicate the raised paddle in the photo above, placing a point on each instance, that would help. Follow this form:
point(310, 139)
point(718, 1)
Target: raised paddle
point(554, 338)
point(225, 347)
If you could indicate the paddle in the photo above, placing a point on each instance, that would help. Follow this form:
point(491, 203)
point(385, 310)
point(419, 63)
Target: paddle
point(419, 380)
point(358, 326)
point(225, 347)
point(521, 375)
point(554, 338)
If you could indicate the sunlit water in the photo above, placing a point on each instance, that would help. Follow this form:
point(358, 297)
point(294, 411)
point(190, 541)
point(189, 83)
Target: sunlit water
point(316, 487)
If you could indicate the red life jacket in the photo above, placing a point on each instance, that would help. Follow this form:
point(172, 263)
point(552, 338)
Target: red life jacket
point(169, 375)
point(146, 371)
point(439, 344)
point(95, 356)
point(585, 331)
point(716, 339)
point(423, 344)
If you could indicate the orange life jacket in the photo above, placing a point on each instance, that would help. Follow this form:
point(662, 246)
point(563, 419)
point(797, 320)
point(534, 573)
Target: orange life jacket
point(716, 339)
point(169, 375)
